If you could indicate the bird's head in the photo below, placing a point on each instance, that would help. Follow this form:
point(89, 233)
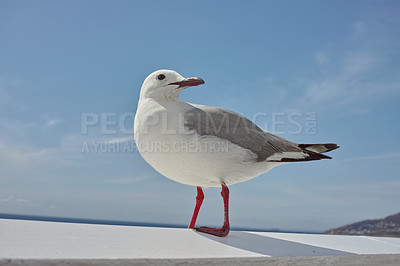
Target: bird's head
point(166, 85)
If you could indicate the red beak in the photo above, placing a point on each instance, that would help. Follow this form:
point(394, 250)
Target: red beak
point(189, 82)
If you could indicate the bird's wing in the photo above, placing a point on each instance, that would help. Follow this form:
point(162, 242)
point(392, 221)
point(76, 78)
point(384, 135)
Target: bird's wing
point(236, 128)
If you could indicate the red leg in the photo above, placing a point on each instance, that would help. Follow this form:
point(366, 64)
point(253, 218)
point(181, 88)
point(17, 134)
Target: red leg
point(199, 201)
point(224, 231)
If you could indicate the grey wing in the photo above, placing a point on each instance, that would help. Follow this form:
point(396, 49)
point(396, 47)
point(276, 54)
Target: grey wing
point(225, 124)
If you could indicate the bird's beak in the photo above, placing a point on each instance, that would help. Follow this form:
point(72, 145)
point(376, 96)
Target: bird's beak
point(189, 82)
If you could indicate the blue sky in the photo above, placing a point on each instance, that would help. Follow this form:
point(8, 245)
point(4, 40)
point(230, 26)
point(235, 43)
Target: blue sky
point(338, 60)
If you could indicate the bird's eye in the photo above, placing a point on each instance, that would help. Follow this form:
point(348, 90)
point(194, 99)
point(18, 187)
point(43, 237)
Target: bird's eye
point(161, 77)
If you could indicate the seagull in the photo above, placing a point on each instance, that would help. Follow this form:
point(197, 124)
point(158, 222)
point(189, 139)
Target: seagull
point(206, 146)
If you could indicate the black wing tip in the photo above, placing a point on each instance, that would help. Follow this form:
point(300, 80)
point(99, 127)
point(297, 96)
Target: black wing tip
point(312, 156)
point(328, 146)
point(325, 156)
point(331, 146)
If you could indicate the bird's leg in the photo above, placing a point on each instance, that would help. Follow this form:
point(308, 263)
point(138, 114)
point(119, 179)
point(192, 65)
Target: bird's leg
point(199, 201)
point(224, 231)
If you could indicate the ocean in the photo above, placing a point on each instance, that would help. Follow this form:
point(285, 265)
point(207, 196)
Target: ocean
point(125, 223)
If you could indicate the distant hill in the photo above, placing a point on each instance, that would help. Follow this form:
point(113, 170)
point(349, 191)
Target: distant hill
point(389, 226)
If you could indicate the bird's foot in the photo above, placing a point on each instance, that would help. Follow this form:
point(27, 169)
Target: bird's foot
point(221, 232)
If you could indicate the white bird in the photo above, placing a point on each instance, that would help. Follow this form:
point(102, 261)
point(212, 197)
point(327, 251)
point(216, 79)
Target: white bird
point(207, 146)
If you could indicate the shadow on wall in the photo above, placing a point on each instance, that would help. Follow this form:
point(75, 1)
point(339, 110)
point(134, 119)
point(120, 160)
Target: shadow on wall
point(271, 246)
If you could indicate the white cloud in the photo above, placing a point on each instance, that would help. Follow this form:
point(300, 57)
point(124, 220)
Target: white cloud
point(15, 155)
point(355, 78)
point(372, 188)
point(382, 156)
point(358, 63)
point(321, 57)
point(359, 111)
point(120, 140)
point(52, 122)
point(135, 178)
point(363, 70)
point(19, 153)
point(359, 29)
point(15, 203)
point(7, 85)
